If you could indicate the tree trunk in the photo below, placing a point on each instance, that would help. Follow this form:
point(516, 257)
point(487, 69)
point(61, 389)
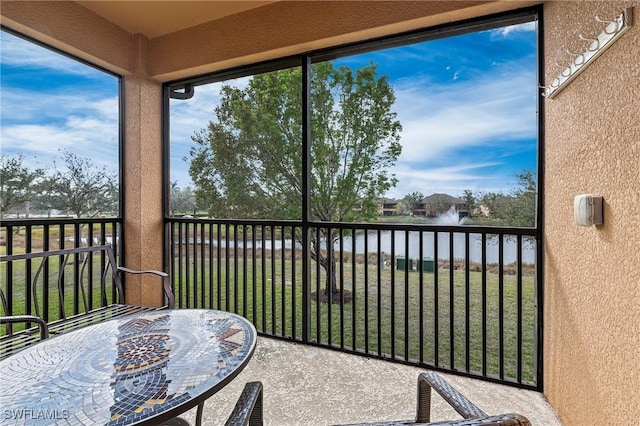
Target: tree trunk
point(328, 263)
point(329, 266)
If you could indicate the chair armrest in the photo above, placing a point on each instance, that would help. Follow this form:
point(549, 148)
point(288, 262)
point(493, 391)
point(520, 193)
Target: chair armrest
point(165, 282)
point(510, 419)
point(472, 414)
point(248, 408)
point(42, 324)
point(430, 380)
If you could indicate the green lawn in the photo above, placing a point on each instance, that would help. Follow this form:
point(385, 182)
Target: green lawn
point(393, 310)
point(57, 300)
point(388, 305)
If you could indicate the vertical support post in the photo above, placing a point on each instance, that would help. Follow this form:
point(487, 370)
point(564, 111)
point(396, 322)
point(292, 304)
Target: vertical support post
point(306, 197)
point(143, 227)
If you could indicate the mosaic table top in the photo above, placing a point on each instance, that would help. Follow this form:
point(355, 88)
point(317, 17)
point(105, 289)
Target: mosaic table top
point(125, 371)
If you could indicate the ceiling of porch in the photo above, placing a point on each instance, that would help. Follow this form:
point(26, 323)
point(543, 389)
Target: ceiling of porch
point(157, 18)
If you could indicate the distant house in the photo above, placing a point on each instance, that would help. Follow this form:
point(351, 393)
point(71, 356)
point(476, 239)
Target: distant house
point(387, 206)
point(436, 204)
point(433, 205)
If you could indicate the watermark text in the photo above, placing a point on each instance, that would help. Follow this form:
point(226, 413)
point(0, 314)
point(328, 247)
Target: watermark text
point(31, 414)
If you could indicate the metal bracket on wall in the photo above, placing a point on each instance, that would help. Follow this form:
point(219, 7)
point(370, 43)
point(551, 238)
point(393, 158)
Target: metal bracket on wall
point(186, 93)
point(611, 33)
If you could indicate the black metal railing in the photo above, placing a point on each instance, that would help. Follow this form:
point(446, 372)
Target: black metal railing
point(19, 277)
point(455, 298)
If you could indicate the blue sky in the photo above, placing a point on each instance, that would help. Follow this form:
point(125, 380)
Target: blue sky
point(467, 105)
point(52, 103)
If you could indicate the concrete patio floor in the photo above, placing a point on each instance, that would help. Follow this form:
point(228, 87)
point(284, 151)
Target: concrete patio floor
point(306, 385)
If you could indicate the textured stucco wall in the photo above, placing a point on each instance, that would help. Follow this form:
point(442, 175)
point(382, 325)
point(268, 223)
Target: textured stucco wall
point(592, 275)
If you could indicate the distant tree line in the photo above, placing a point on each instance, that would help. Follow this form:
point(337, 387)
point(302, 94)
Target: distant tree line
point(75, 187)
point(517, 208)
point(183, 201)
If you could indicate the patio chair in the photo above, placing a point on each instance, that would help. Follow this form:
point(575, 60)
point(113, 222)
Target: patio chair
point(248, 408)
point(247, 411)
point(472, 414)
point(9, 320)
point(16, 319)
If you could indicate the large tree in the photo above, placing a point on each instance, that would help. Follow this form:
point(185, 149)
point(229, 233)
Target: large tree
point(470, 201)
point(523, 205)
point(17, 185)
point(248, 161)
point(413, 201)
point(80, 188)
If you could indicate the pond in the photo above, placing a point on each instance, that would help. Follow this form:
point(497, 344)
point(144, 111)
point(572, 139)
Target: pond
point(398, 239)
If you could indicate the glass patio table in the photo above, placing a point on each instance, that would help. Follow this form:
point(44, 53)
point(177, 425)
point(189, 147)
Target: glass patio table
point(141, 369)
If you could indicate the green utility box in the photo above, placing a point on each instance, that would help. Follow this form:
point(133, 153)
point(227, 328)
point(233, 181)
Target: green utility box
point(427, 264)
point(404, 264)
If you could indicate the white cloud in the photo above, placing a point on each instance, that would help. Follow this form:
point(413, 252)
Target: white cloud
point(438, 120)
point(42, 144)
point(38, 106)
point(88, 127)
point(17, 52)
point(41, 139)
point(511, 29)
point(188, 116)
point(43, 117)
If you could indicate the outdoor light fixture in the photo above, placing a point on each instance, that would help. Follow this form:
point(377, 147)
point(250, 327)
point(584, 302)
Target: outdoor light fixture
point(587, 210)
